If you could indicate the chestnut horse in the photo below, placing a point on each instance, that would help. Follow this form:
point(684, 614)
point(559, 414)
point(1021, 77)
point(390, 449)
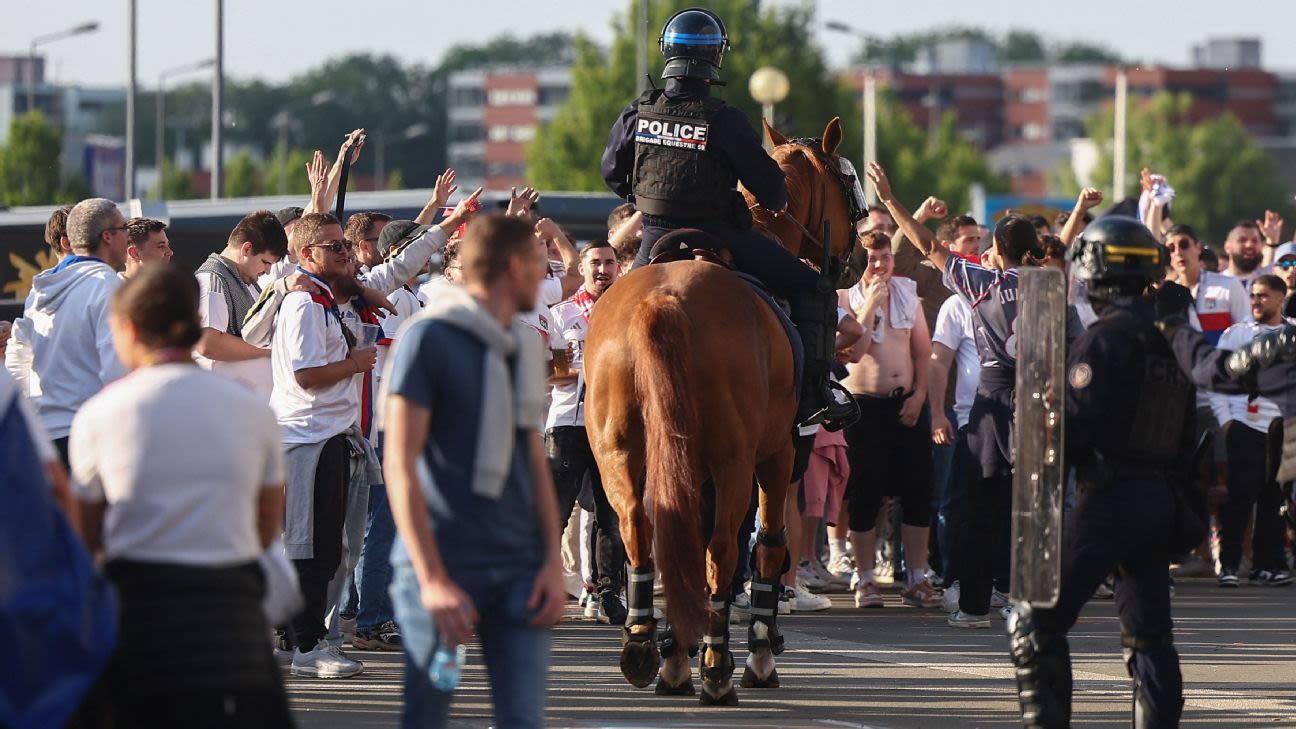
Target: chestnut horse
point(689, 377)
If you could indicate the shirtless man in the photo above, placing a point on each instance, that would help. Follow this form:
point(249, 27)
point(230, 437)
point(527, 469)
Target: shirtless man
point(890, 446)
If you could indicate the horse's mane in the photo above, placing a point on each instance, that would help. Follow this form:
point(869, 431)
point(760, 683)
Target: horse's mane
point(803, 167)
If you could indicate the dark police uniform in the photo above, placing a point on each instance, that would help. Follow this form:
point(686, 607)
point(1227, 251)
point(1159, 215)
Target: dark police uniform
point(689, 180)
point(1129, 421)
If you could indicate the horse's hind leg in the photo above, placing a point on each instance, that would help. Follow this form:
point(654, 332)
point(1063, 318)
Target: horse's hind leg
point(771, 560)
point(732, 495)
point(639, 656)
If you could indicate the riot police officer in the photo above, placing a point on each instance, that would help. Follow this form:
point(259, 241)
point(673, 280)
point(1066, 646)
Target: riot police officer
point(1129, 422)
point(678, 153)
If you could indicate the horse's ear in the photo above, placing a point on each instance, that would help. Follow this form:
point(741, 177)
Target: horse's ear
point(775, 137)
point(832, 136)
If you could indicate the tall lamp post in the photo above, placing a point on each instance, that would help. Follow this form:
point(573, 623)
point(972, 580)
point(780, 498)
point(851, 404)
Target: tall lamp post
point(768, 86)
point(40, 40)
point(868, 102)
point(159, 136)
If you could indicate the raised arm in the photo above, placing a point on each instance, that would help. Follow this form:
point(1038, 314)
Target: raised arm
point(918, 234)
point(1090, 197)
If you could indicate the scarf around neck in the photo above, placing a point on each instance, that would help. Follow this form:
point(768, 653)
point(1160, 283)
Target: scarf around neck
point(513, 386)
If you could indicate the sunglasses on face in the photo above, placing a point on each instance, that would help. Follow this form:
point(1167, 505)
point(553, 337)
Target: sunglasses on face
point(1286, 263)
point(334, 246)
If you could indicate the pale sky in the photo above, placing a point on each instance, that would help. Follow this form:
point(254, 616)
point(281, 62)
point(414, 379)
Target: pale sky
point(275, 39)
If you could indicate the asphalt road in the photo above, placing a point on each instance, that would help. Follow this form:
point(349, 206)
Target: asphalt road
point(895, 668)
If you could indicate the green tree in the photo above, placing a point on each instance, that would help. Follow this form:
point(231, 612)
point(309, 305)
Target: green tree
point(284, 172)
point(30, 171)
point(1022, 46)
point(242, 178)
point(1220, 175)
point(176, 184)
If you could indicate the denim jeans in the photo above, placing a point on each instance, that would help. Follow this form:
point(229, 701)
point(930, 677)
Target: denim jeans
point(951, 506)
point(373, 572)
point(516, 655)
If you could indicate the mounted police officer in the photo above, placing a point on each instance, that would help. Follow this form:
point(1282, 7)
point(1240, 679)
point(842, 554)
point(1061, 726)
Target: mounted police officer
point(1130, 403)
point(678, 153)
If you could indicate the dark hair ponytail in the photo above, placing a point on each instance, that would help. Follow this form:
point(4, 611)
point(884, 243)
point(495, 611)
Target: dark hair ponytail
point(161, 301)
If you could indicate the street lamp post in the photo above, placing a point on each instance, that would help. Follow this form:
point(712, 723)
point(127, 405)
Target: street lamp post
point(39, 40)
point(159, 136)
point(768, 86)
point(218, 105)
point(868, 104)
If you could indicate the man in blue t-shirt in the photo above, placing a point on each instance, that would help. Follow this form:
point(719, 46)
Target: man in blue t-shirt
point(468, 482)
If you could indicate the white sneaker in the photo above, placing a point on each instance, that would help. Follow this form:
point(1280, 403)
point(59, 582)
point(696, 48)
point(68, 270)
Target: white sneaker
point(1007, 611)
point(785, 601)
point(591, 604)
point(842, 566)
point(999, 600)
point(829, 578)
point(806, 575)
point(326, 661)
point(347, 626)
point(801, 600)
point(949, 601)
point(740, 608)
point(960, 619)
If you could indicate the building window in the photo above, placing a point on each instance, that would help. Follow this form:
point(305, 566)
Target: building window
point(1030, 95)
point(512, 133)
point(511, 97)
point(553, 95)
point(506, 169)
point(469, 132)
point(1032, 131)
point(467, 97)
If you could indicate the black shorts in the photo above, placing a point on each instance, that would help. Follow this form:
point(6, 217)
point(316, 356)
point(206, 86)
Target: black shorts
point(888, 459)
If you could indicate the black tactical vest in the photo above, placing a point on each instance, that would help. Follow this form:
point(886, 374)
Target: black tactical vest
point(673, 174)
point(1149, 426)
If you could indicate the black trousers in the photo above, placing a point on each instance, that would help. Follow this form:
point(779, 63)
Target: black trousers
point(572, 464)
point(332, 478)
point(1125, 528)
point(986, 540)
point(1253, 466)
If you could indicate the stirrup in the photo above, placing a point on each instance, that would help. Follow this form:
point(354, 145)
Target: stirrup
point(841, 412)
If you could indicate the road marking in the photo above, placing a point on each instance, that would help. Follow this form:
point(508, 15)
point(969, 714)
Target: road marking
point(1098, 684)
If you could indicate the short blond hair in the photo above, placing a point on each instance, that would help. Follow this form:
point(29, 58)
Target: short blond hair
point(308, 229)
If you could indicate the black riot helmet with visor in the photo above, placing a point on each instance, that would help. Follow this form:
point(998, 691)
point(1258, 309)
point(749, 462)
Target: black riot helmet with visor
point(694, 42)
point(1117, 256)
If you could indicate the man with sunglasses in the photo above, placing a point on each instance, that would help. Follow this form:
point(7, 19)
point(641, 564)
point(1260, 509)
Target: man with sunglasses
point(1219, 302)
point(66, 320)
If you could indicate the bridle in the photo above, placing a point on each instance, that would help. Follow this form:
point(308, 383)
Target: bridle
point(847, 183)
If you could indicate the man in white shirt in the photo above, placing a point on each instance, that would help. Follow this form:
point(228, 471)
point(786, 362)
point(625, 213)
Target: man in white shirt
point(66, 336)
point(1219, 302)
point(1284, 265)
point(315, 398)
point(1245, 249)
point(1249, 426)
point(566, 442)
point(148, 244)
point(227, 290)
point(562, 280)
point(953, 344)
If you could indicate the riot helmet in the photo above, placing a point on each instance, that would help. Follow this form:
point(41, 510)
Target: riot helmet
point(694, 42)
point(1117, 256)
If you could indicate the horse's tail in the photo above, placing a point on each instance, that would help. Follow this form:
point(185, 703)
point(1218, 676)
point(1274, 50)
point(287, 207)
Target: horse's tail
point(671, 427)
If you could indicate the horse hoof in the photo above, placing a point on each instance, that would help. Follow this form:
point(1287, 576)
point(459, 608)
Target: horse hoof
point(664, 689)
point(729, 698)
point(751, 680)
point(640, 662)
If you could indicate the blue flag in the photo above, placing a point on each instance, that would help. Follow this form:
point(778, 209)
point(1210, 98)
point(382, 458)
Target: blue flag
point(58, 615)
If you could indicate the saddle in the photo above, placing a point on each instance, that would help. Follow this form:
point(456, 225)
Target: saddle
point(692, 244)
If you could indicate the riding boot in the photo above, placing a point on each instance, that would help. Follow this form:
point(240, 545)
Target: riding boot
point(1043, 666)
point(822, 400)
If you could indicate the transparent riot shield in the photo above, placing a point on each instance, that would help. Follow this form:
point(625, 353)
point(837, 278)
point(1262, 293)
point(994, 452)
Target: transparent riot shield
point(1039, 476)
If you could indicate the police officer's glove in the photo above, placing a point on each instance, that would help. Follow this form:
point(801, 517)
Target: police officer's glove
point(1262, 352)
point(1172, 302)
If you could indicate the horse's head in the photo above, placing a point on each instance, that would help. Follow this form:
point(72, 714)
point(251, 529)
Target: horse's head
point(822, 187)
